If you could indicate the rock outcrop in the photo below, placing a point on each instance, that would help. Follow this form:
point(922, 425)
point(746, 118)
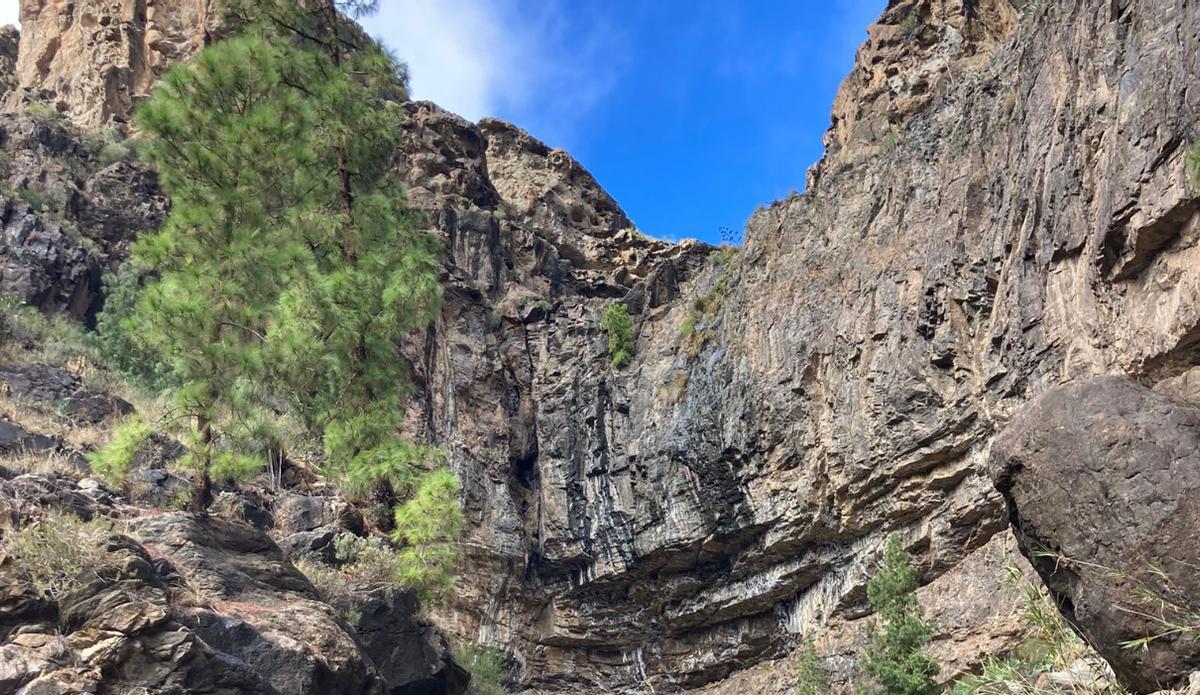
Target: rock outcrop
point(1000, 211)
point(9, 40)
point(123, 47)
point(69, 208)
point(197, 605)
point(1098, 477)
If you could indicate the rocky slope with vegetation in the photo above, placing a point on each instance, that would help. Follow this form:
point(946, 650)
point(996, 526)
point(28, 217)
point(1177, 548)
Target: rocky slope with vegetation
point(679, 463)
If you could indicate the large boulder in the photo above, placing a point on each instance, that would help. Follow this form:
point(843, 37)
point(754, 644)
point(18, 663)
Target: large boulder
point(1100, 479)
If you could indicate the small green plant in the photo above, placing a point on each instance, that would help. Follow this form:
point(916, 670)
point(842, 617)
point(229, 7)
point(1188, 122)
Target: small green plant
point(1049, 645)
point(427, 527)
point(124, 349)
point(723, 255)
point(618, 326)
point(1011, 676)
point(60, 554)
point(894, 659)
point(1192, 162)
point(41, 109)
point(811, 676)
point(693, 332)
point(45, 200)
point(486, 666)
point(113, 152)
point(113, 462)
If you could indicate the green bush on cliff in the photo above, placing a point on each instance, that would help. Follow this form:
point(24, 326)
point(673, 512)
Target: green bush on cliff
point(1192, 160)
point(894, 660)
point(486, 666)
point(618, 326)
point(423, 558)
point(112, 463)
point(811, 676)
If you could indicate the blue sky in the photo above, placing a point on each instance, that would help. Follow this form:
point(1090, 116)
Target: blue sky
point(690, 113)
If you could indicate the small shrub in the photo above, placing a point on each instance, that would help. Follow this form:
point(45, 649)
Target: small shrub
point(113, 152)
point(113, 462)
point(486, 666)
point(9, 306)
point(41, 109)
point(693, 332)
point(328, 581)
point(618, 326)
point(124, 350)
point(1049, 645)
point(57, 341)
point(723, 255)
point(61, 554)
point(998, 677)
point(894, 659)
point(427, 527)
point(1192, 162)
point(811, 676)
point(45, 200)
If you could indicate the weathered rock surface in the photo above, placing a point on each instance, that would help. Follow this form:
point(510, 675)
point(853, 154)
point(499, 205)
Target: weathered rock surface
point(1003, 207)
point(9, 40)
point(1099, 477)
point(198, 606)
point(60, 389)
point(125, 47)
point(66, 217)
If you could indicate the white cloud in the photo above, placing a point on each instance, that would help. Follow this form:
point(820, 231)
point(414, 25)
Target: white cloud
point(458, 51)
point(520, 60)
point(10, 12)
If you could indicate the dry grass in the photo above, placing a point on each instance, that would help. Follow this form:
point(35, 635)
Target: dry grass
point(43, 463)
point(60, 554)
point(42, 419)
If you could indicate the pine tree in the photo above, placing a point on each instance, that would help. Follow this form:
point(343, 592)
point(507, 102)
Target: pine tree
point(811, 676)
point(230, 142)
point(372, 277)
point(290, 266)
point(427, 526)
point(894, 659)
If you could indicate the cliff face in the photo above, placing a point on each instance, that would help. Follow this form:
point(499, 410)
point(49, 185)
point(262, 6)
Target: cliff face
point(9, 40)
point(1003, 207)
point(91, 60)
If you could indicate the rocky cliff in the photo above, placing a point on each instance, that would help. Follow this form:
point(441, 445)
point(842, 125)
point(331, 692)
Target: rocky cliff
point(1002, 207)
point(92, 60)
